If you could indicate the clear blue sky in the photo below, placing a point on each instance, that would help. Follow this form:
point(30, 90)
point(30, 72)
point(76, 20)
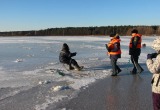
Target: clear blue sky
point(18, 15)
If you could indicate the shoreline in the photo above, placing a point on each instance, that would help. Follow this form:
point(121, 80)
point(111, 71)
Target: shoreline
point(76, 36)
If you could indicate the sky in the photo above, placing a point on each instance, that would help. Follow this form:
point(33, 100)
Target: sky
point(23, 15)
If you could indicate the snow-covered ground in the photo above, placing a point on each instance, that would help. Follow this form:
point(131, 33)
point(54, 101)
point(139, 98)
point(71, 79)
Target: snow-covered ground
point(27, 62)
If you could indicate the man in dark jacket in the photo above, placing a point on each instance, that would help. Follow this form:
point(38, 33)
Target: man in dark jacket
point(65, 57)
point(135, 51)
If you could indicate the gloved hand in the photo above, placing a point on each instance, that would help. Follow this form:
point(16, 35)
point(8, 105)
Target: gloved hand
point(149, 56)
point(74, 54)
point(107, 48)
point(153, 55)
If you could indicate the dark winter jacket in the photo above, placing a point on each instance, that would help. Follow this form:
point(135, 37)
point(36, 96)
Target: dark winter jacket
point(65, 54)
point(135, 45)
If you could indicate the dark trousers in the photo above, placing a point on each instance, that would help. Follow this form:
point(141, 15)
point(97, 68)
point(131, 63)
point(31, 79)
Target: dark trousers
point(137, 67)
point(71, 62)
point(115, 67)
point(156, 101)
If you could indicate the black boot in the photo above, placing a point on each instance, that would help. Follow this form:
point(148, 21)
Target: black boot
point(113, 74)
point(70, 67)
point(78, 68)
point(141, 70)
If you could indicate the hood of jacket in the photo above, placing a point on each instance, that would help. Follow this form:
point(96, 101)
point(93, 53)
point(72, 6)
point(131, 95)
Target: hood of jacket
point(65, 47)
point(156, 45)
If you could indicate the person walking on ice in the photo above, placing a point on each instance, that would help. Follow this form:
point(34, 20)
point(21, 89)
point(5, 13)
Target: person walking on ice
point(65, 57)
point(154, 67)
point(135, 51)
point(114, 50)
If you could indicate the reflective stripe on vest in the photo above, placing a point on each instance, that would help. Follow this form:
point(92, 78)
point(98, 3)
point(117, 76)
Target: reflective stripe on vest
point(115, 53)
point(139, 41)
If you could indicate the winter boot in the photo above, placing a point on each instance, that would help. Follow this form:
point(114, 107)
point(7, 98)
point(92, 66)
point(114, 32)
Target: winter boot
point(141, 70)
point(70, 67)
point(113, 74)
point(81, 67)
point(78, 68)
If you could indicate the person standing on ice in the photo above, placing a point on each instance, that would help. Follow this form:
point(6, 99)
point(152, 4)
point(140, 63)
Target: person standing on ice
point(65, 57)
point(114, 50)
point(154, 67)
point(135, 51)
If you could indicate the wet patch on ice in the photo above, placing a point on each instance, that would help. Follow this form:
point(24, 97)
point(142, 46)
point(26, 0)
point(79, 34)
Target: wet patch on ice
point(9, 92)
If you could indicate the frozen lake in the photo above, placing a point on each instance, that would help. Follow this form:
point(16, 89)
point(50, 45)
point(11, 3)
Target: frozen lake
point(34, 52)
point(25, 61)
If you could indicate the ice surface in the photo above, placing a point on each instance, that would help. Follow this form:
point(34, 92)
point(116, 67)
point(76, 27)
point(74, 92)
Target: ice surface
point(28, 61)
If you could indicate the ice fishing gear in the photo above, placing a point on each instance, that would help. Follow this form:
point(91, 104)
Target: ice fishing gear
point(60, 73)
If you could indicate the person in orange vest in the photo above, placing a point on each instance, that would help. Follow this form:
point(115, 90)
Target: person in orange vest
point(135, 51)
point(114, 50)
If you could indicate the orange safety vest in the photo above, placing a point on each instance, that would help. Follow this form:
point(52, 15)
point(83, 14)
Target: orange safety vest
point(139, 42)
point(111, 46)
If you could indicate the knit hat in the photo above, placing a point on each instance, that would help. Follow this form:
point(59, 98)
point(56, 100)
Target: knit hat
point(112, 34)
point(117, 36)
point(65, 47)
point(134, 31)
point(156, 44)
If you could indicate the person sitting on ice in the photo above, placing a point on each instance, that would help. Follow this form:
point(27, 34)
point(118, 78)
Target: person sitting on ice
point(65, 57)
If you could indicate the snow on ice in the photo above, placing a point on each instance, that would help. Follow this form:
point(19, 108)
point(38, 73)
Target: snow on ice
point(41, 66)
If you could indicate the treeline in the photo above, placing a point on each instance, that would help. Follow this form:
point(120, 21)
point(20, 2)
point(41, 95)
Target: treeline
point(81, 31)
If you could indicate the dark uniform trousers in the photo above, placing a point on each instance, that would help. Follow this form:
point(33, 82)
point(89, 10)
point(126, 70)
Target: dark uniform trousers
point(137, 67)
point(115, 67)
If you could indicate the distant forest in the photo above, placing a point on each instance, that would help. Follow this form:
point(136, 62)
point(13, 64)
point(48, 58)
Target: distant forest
point(85, 31)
